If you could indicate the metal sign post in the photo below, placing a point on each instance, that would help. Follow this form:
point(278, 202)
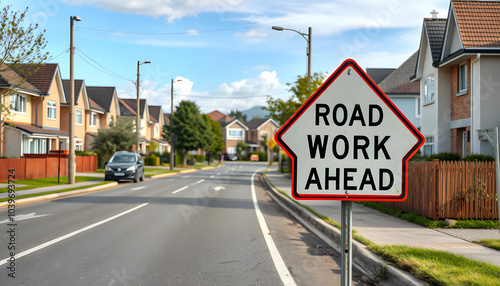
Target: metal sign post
point(483, 135)
point(346, 240)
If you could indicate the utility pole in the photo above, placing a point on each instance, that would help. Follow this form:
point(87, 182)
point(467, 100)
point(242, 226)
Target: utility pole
point(71, 155)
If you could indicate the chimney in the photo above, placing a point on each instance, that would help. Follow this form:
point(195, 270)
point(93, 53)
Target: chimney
point(434, 14)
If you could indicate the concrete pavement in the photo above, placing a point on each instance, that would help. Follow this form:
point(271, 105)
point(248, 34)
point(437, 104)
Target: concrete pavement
point(388, 230)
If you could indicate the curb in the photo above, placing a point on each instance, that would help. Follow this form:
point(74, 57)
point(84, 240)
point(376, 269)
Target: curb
point(60, 195)
point(363, 259)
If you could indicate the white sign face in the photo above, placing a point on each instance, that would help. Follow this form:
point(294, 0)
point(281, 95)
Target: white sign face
point(349, 141)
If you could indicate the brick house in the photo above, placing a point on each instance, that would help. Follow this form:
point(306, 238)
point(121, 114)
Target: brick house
point(233, 130)
point(258, 131)
point(34, 125)
point(458, 68)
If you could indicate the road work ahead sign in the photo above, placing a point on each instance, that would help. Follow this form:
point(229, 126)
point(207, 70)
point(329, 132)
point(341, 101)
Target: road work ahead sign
point(348, 141)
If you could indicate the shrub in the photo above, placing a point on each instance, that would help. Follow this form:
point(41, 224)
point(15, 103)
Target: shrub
point(83, 153)
point(418, 157)
point(479, 158)
point(445, 156)
point(152, 160)
point(200, 158)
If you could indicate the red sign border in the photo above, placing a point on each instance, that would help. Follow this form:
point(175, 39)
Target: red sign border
point(349, 197)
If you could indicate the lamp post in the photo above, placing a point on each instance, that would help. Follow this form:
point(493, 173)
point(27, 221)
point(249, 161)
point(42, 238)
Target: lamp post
point(71, 155)
point(172, 123)
point(307, 37)
point(137, 118)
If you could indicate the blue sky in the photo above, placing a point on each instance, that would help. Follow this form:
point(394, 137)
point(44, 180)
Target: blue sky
point(223, 51)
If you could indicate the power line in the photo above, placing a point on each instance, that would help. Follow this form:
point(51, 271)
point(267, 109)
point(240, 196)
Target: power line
point(65, 51)
point(187, 32)
point(102, 68)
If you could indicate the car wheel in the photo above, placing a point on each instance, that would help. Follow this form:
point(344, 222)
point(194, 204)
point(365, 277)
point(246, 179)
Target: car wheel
point(135, 178)
point(142, 177)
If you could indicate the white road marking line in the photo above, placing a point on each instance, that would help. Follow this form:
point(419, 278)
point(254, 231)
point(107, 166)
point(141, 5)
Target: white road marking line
point(200, 181)
point(61, 238)
point(138, 188)
point(211, 177)
point(218, 174)
point(283, 272)
point(181, 189)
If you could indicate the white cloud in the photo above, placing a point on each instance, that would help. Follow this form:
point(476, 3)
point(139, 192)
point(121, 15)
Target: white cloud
point(193, 32)
point(241, 95)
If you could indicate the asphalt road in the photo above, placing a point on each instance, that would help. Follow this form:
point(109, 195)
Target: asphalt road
point(199, 228)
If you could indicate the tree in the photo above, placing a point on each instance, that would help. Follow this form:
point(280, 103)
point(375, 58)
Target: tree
point(238, 115)
point(117, 137)
point(218, 142)
point(240, 148)
point(281, 110)
point(191, 130)
point(19, 44)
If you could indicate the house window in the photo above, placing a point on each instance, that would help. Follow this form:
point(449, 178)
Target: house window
point(429, 146)
point(157, 130)
point(264, 134)
point(231, 150)
point(18, 103)
point(429, 89)
point(462, 79)
point(34, 145)
point(93, 119)
point(417, 107)
point(110, 120)
point(79, 117)
point(235, 134)
point(143, 128)
point(51, 109)
point(78, 144)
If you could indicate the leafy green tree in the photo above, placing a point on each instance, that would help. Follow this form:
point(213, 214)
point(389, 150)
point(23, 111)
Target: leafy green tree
point(19, 44)
point(238, 115)
point(218, 142)
point(240, 148)
point(281, 110)
point(191, 130)
point(117, 137)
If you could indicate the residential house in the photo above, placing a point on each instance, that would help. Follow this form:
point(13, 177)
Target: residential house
point(233, 130)
point(379, 74)
point(34, 125)
point(402, 92)
point(128, 108)
point(156, 129)
point(260, 131)
point(81, 105)
point(459, 77)
point(103, 108)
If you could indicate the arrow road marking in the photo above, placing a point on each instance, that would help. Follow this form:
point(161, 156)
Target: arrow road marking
point(280, 265)
point(218, 188)
point(61, 238)
point(181, 189)
point(24, 217)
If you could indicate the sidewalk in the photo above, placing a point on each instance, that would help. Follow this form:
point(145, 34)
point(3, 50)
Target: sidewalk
point(385, 229)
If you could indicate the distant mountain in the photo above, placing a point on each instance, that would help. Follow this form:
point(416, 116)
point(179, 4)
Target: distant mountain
point(256, 111)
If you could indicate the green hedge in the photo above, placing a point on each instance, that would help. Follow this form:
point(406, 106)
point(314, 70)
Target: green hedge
point(152, 160)
point(445, 156)
point(479, 157)
point(83, 153)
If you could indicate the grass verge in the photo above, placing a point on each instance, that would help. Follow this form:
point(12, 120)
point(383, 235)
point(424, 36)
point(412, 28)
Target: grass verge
point(423, 221)
point(55, 192)
point(438, 267)
point(432, 266)
point(491, 243)
point(46, 182)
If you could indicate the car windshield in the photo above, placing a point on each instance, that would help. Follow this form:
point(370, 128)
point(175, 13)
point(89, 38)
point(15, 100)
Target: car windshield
point(123, 158)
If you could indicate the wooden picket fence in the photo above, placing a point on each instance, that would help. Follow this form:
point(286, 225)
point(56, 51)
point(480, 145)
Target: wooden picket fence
point(460, 190)
point(44, 166)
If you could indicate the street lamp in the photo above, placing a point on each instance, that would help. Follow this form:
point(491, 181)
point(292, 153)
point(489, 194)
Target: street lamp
point(307, 37)
point(137, 118)
point(71, 155)
point(172, 123)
